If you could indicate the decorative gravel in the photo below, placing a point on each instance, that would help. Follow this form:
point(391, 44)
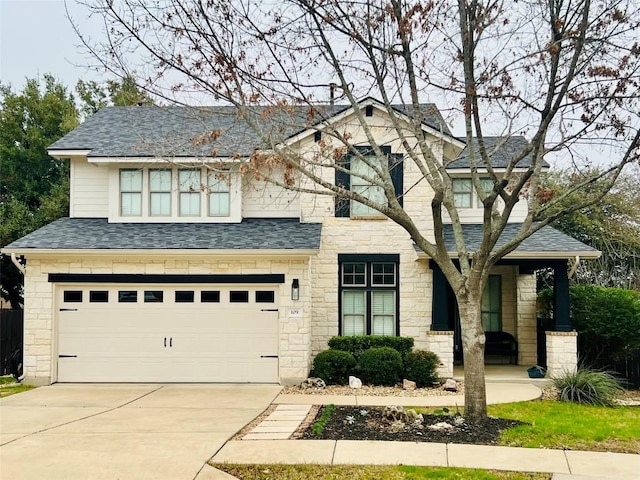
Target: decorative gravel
point(372, 391)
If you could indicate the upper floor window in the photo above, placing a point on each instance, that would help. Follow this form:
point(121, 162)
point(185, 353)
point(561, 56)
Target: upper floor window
point(463, 192)
point(357, 177)
point(219, 194)
point(189, 186)
point(130, 192)
point(159, 192)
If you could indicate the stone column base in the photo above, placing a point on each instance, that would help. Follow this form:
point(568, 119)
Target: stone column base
point(562, 353)
point(441, 343)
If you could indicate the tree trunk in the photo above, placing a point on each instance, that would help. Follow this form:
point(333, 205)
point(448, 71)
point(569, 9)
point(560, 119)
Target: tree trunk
point(473, 340)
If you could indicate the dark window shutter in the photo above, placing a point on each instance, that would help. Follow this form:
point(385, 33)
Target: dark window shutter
point(342, 180)
point(396, 168)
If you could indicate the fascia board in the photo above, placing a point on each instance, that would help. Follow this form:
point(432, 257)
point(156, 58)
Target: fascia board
point(67, 153)
point(170, 160)
point(587, 255)
point(289, 253)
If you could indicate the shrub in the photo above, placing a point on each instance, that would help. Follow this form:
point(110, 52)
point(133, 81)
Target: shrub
point(381, 366)
point(358, 344)
point(420, 366)
point(333, 366)
point(589, 387)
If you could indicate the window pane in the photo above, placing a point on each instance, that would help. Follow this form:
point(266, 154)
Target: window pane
point(239, 296)
point(184, 296)
point(492, 304)
point(160, 180)
point(265, 296)
point(130, 204)
point(383, 274)
point(462, 192)
point(218, 182)
point(189, 204)
point(219, 204)
point(153, 296)
point(354, 273)
point(160, 204)
point(99, 296)
point(72, 296)
point(189, 180)
point(373, 193)
point(210, 296)
point(383, 308)
point(130, 180)
point(353, 313)
point(127, 296)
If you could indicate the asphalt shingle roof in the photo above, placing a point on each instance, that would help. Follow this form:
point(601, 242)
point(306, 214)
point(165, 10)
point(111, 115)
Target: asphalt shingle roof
point(546, 240)
point(98, 233)
point(151, 131)
point(501, 150)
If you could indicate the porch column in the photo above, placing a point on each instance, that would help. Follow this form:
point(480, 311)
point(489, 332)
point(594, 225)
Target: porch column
point(440, 304)
point(561, 297)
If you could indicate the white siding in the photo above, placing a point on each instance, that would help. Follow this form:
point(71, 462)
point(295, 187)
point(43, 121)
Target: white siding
point(89, 190)
point(262, 199)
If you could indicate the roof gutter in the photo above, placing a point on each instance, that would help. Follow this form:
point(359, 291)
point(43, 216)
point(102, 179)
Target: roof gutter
point(17, 263)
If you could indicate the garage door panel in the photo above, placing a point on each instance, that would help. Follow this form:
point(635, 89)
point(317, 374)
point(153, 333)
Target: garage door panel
point(208, 338)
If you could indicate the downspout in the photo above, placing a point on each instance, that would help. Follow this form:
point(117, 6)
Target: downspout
point(17, 263)
point(574, 267)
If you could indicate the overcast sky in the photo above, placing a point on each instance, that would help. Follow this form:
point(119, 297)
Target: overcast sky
point(37, 38)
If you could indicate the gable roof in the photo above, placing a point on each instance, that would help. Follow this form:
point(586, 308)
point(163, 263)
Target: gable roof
point(152, 131)
point(545, 243)
point(98, 234)
point(501, 150)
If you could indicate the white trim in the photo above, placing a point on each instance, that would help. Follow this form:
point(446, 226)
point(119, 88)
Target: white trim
point(378, 105)
point(168, 160)
point(67, 153)
point(466, 172)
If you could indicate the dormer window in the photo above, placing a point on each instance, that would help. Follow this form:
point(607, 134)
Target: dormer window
point(130, 192)
point(159, 192)
point(463, 192)
point(219, 194)
point(189, 186)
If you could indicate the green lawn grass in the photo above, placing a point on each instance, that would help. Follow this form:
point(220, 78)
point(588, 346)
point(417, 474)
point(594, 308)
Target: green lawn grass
point(571, 426)
point(8, 387)
point(369, 472)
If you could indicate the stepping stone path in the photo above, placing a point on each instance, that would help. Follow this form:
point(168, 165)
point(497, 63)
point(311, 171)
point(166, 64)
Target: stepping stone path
point(282, 422)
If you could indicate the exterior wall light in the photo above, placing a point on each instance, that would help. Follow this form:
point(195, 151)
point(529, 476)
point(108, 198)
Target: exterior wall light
point(295, 289)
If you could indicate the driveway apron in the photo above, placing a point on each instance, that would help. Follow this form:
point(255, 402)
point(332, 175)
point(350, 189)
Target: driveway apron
point(98, 431)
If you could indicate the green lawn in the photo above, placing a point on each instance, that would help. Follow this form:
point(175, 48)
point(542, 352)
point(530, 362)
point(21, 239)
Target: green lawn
point(368, 472)
point(8, 387)
point(571, 426)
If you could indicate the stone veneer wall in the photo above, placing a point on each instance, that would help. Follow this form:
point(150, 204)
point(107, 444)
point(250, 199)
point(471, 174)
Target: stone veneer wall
point(441, 343)
point(526, 317)
point(562, 353)
point(40, 323)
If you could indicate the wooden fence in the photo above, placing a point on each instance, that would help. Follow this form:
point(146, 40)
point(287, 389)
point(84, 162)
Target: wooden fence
point(11, 336)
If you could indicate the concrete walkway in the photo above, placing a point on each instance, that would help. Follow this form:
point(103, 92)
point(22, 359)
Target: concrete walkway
point(564, 464)
point(612, 466)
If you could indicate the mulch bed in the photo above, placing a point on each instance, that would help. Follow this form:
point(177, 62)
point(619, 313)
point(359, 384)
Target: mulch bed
point(357, 423)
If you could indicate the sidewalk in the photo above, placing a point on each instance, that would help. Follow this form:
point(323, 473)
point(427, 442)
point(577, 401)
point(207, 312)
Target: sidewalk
point(255, 448)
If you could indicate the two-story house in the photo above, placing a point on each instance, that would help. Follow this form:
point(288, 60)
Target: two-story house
point(174, 266)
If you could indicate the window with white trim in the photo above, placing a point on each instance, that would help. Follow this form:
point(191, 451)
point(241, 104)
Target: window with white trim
point(219, 187)
point(463, 192)
point(159, 192)
point(130, 192)
point(189, 188)
point(368, 294)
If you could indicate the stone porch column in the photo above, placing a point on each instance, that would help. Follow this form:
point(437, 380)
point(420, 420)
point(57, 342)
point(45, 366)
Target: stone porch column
point(562, 353)
point(440, 342)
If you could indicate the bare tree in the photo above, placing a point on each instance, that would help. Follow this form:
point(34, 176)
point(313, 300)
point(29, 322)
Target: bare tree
point(565, 74)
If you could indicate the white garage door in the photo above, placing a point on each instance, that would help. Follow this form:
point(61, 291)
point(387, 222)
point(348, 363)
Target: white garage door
point(162, 333)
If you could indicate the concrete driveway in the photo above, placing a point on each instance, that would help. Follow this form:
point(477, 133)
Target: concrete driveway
point(81, 431)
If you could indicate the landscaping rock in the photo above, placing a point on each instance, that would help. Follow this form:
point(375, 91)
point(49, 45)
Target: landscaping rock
point(450, 385)
point(441, 426)
point(313, 382)
point(355, 382)
point(393, 412)
point(408, 384)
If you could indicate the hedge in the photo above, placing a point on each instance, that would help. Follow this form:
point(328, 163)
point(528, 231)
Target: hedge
point(356, 345)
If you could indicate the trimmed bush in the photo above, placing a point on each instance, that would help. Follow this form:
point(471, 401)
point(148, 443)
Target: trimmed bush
point(333, 366)
point(589, 387)
point(421, 367)
point(381, 366)
point(358, 344)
